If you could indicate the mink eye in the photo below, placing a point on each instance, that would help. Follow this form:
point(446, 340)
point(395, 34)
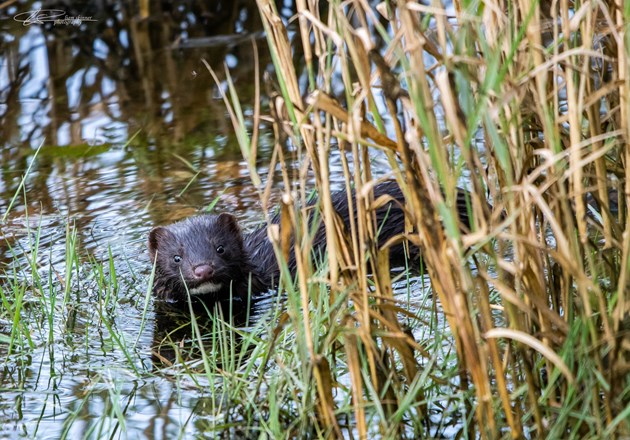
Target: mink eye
point(220, 249)
point(177, 259)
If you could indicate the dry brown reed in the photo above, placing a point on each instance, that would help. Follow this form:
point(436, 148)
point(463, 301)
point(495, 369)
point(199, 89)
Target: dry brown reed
point(545, 87)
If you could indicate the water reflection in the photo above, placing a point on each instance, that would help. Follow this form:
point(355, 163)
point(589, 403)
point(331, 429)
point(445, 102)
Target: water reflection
point(134, 134)
point(124, 72)
point(176, 337)
point(128, 76)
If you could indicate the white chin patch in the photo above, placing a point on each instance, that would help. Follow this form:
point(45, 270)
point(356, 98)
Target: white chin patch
point(205, 288)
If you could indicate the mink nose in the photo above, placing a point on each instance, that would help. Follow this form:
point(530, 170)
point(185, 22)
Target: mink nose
point(203, 271)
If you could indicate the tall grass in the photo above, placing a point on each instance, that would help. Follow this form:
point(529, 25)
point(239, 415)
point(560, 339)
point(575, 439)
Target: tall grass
point(524, 331)
point(525, 104)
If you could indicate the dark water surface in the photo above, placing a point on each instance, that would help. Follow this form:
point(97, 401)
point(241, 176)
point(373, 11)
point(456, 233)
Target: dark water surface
point(123, 128)
point(133, 133)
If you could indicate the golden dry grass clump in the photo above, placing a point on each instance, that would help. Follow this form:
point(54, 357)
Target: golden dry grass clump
point(527, 105)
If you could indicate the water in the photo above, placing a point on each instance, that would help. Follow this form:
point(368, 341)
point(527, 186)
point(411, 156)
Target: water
point(132, 136)
point(123, 129)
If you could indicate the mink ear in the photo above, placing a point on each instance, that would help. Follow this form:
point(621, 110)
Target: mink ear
point(229, 222)
point(156, 235)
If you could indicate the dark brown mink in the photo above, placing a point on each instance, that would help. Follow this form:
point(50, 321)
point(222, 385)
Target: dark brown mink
point(218, 262)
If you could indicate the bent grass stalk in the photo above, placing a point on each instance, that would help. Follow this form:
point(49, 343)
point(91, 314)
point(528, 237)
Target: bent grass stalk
point(524, 84)
point(540, 284)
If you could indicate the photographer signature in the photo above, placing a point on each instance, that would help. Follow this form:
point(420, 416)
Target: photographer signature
point(56, 16)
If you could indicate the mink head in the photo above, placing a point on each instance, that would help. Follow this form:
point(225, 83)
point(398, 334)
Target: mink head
point(202, 256)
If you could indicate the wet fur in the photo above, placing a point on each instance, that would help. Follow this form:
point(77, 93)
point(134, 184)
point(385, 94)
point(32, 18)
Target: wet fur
point(195, 240)
point(249, 263)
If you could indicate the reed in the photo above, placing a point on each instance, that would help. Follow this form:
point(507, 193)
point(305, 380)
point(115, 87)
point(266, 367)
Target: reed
point(526, 105)
point(520, 327)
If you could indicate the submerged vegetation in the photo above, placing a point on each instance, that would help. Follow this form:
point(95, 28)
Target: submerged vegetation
point(518, 324)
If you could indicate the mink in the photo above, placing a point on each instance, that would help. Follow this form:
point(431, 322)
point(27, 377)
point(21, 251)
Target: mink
point(216, 260)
